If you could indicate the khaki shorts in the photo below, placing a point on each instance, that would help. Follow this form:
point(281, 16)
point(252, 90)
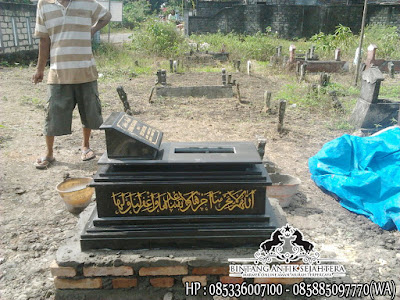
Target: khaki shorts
point(62, 101)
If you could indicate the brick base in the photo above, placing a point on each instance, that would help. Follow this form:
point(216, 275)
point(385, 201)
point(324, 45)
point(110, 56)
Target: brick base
point(139, 274)
point(100, 277)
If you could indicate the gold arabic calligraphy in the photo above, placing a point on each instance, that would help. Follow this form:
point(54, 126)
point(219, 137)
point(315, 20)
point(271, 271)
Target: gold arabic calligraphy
point(194, 201)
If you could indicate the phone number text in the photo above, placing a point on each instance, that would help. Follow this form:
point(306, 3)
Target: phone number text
point(316, 288)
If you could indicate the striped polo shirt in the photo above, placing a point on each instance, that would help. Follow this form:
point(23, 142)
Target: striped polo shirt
point(69, 29)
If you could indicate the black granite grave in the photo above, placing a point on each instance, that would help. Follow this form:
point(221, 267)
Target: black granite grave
point(176, 194)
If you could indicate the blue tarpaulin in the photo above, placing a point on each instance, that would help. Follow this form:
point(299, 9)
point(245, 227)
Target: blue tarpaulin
point(364, 174)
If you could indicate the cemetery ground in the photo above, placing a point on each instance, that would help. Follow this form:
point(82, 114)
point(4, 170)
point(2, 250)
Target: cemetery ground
point(34, 221)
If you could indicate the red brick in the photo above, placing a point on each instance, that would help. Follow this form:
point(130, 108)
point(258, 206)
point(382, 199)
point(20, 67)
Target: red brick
point(211, 271)
point(124, 283)
point(228, 279)
point(107, 271)
point(56, 270)
point(86, 283)
point(162, 282)
point(278, 280)
point(190, 279)
point(159, 271)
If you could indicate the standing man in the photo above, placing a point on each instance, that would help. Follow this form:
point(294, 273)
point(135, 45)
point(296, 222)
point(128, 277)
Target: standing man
point(65, 29)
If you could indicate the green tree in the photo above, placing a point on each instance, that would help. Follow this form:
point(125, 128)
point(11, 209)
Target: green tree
point(136, 12)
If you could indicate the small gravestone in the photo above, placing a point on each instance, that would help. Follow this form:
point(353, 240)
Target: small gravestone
point(158, 80)
point(223, 77)
point(281, 115)
point(312, 52)
point(124, 98)
point(308, 54)
point(279, 51)
point(237, 65)
point(267, 100)
point(391, 69)
point(324, 79)
point(337, 54)
point(303, 70)
point(163, 77)
point(292, 54)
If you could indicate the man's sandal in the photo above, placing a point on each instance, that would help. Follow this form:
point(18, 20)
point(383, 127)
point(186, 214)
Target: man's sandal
point(87, 154)
point(44, 162)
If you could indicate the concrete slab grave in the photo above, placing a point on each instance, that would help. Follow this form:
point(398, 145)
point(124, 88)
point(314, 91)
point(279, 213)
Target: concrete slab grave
point(211, 91)
point(205, 57)
point(314, 65)
point(387, 66)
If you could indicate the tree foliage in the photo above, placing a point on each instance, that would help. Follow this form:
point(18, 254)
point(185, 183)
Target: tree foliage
point(136, 12)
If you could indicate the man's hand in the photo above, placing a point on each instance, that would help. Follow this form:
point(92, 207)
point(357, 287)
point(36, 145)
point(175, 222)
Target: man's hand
point(44, 52)
point(101, 23)
point(37, 77)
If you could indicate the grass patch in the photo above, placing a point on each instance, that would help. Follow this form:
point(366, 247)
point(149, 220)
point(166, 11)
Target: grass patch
point(390, 91)
point(302, 95)
point(340, 123)
point(260, 46)
point(32, 101)
point(119, 62)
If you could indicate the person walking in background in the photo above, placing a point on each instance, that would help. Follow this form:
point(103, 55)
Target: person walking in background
point(172, 17)
point(65, 29)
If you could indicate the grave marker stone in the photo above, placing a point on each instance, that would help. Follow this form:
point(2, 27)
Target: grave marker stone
point(249, 67)
point(292, 54)
point(371, 113)
point(391, 69)
point(237, 65)
point(267, 100)
point(337, 54)
point(303, 70)
point(312, 52)
point(163, 77)
point(281, 115)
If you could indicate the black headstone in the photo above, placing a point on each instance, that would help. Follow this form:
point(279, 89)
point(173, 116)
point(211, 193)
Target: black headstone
point(128, 137)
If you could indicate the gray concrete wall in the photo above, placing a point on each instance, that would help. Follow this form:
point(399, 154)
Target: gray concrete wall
point(17, 26)
point(290, 20)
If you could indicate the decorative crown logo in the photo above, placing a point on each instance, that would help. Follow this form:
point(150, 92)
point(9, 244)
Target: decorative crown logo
point(286, 245)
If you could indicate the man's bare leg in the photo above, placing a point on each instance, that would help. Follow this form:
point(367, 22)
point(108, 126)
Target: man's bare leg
point(86, 136)
point(87, 153)
point(49, 145)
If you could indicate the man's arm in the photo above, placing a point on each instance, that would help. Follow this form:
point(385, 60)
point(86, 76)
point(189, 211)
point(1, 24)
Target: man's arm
point(101, 23)
point(44, 53)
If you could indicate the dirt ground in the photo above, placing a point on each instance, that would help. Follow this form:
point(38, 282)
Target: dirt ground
point(34, 221)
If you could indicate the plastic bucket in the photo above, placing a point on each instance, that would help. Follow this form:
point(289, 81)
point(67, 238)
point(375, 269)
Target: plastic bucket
point(76, 193)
